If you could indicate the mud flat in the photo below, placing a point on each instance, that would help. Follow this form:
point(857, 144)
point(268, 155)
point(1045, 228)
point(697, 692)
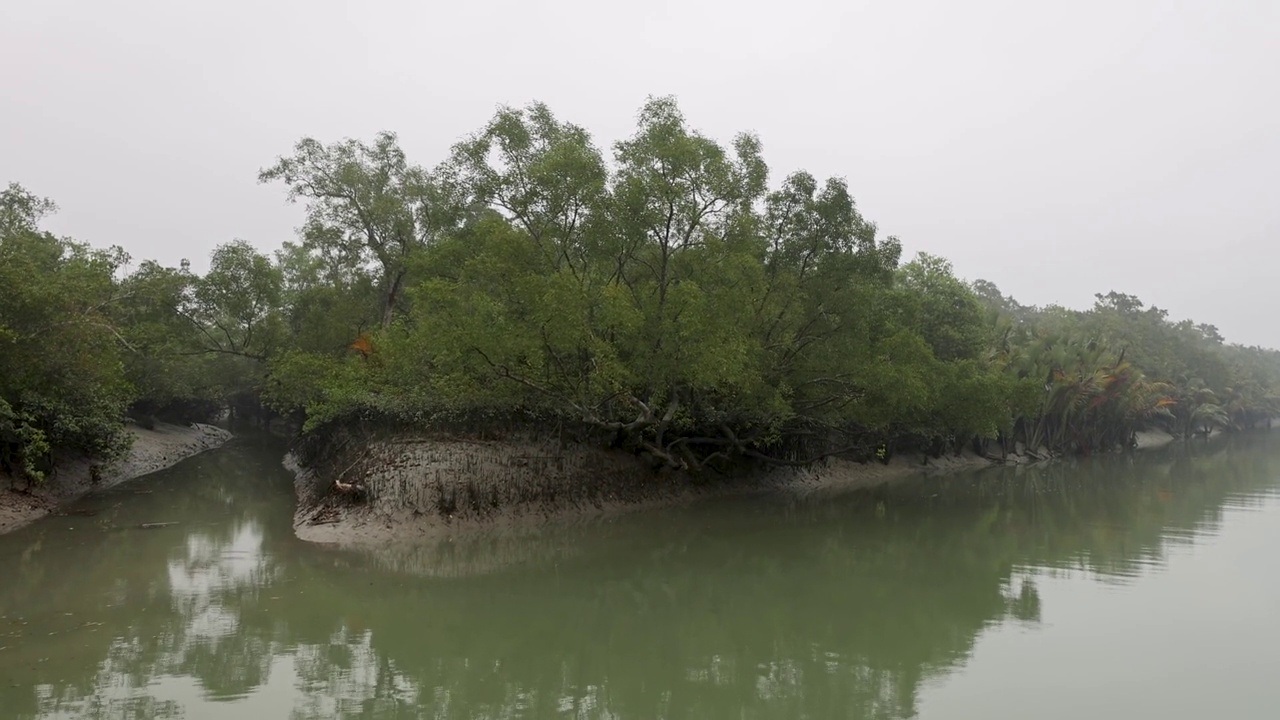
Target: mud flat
point(152, 450)
point(422, 491)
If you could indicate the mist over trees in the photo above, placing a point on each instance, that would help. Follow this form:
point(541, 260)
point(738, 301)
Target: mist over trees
point(665, 296)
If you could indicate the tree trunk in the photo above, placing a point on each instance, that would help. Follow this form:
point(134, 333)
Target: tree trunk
point(393, 296)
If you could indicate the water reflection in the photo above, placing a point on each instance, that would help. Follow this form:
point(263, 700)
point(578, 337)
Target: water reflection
point(842, 606)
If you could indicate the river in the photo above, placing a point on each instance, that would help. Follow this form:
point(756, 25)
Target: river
point(1141, 586)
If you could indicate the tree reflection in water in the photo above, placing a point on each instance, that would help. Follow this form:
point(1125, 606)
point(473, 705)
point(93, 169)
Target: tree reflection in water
point(834, 606)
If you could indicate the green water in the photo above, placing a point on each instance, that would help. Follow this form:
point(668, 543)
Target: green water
point(1143, 587)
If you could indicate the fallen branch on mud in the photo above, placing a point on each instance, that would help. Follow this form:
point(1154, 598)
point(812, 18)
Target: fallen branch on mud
point(351, 489)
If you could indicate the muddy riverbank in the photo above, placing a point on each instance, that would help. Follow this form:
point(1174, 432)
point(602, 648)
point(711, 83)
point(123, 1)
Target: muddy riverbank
point(421, 488)
point(152, 450)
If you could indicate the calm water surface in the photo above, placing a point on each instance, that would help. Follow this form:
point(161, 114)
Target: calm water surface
point(1124, 587)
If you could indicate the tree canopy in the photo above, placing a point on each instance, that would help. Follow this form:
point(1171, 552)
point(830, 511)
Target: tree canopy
point(663, 296)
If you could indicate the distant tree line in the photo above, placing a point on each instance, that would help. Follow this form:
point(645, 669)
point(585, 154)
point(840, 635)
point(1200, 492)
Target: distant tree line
point(664, 298)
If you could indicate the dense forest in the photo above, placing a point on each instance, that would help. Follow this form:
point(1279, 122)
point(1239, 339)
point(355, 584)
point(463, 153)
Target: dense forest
point(666, 299)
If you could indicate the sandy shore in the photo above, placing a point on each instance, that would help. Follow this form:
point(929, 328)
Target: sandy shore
point(152, 450)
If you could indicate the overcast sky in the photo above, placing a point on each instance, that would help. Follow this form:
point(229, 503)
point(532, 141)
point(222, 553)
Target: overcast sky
point(1057, 149)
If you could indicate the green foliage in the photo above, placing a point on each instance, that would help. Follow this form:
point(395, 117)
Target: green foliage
point(658, 296)
point(1123, 367)
point(325, 388)
point(944, 310)
point(62, 380)
point(170, 375)
point(368, 210)
point(670, 302)
point(25, 446)
point(667, 301)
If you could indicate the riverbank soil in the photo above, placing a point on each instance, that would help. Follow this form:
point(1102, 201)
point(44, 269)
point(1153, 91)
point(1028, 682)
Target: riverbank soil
point(414, 489)
point(152, 450)
point(1148, 439)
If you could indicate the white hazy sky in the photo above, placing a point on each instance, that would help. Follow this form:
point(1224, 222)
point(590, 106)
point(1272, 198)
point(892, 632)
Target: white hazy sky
point(1057, 149)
